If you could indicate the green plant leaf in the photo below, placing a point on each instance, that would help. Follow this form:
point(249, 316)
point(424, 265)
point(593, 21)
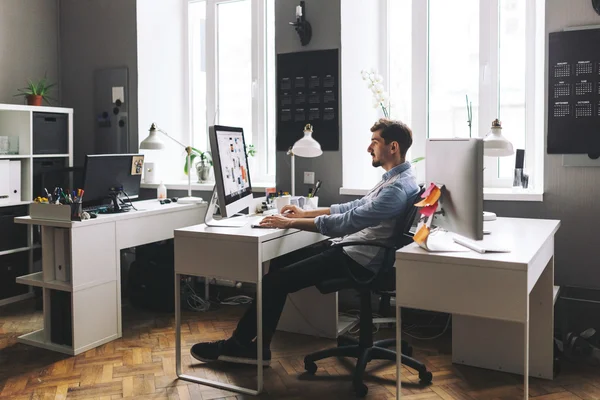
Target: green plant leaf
point(416, 160)
point(186, 167)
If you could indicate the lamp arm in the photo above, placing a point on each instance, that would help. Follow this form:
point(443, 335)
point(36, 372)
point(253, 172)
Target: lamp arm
point(188, 149)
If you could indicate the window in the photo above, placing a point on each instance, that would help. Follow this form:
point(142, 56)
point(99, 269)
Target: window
point(482, 56)
point(231, 55)
point(489, 50)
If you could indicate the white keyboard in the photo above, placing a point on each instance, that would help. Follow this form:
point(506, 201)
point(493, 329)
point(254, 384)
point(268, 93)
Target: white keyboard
point(479, 246)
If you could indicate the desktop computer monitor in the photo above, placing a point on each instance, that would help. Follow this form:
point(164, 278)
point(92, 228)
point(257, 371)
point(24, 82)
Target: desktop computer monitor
point(458, 165)
point(106, 174)
point(233, 187)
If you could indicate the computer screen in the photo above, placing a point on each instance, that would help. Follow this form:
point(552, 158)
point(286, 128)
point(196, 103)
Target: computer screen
point(232, 176)
point(107, 172)
point(458, 165)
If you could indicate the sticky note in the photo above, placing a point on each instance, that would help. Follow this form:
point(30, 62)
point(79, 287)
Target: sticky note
point(428, 211)
point(431, 199)
point(421, 235)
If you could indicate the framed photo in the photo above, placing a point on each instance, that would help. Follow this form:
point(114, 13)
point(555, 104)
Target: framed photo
point(137, 165)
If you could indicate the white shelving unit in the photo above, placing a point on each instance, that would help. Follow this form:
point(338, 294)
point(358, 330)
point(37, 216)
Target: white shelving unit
point(18, 120)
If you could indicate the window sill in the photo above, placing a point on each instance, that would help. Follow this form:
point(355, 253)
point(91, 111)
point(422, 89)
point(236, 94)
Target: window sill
point(489, 194)
point(207, 187)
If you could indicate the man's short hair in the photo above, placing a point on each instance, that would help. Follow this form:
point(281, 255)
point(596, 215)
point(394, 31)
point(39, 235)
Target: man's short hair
point(394, 131)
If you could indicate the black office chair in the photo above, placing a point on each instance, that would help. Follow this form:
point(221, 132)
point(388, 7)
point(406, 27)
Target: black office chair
point(364, 349)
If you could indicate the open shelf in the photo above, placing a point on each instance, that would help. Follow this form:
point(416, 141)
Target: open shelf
point(50, 156)
point(37, 339)
point(13, 156)
point(12, 251)
point(37, 279)
point(16, 203)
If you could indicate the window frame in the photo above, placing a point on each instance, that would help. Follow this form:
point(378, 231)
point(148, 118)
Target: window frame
point(259, 51)
point(489, 14)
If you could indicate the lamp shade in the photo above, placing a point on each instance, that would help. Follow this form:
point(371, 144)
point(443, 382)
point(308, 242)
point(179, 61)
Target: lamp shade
point(307, 146)
point(495, 144)
point(153, 141)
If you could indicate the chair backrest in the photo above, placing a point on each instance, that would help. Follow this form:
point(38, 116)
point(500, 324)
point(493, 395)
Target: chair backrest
point(403, 236)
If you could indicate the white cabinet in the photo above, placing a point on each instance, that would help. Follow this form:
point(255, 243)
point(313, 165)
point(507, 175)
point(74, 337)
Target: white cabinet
point(28, 128)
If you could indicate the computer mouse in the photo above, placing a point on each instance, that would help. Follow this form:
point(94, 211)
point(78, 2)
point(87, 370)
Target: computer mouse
point(167, 201)
point(93, 215)
point(161, 201)
point(174, 199)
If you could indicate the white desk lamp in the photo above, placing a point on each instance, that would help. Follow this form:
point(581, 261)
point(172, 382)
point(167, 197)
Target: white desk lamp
point(154, 142)
point(496, 145)
point(305, 147)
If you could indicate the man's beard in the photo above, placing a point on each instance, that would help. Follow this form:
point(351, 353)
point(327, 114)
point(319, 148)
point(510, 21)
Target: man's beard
point(375, 163)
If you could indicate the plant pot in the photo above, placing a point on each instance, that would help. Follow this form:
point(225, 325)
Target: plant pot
point(34, 100)
point(203, 171)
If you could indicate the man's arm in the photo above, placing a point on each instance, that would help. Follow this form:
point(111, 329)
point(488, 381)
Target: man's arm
point(390, 203)
point(345, 207)
point(315, 213)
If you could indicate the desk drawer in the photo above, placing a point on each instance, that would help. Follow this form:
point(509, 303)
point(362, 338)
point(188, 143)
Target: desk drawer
point(286, 244)
point(459, 289)
point(149, 229)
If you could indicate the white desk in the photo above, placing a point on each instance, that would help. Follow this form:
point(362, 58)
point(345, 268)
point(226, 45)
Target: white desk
point(498, 301)
point(91, 252)
point(243, 254)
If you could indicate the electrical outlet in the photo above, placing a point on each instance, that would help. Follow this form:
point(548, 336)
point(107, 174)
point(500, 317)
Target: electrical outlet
point(309, 178)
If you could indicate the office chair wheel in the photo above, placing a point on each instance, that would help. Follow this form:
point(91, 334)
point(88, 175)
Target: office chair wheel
point(360, 389)
point(310, 367)
point(425, 377)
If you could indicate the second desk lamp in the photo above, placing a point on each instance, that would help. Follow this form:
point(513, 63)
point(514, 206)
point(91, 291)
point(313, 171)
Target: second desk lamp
point(306, 147)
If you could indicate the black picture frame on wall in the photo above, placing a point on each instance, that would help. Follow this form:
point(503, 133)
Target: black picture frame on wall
point(308, 93)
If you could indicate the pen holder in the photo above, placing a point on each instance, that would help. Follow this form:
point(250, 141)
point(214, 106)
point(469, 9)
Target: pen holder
point(76, 211)
point(311, 203)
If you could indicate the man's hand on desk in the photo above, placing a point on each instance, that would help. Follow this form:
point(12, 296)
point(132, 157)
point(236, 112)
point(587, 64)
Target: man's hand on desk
point(286, 222)
point(292, 211)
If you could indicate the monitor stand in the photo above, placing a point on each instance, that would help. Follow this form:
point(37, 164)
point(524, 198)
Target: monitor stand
point(236, 222)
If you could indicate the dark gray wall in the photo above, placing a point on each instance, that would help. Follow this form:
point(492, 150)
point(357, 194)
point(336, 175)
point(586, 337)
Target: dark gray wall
point(95, 34)
point(571, 194)
point(324, 17)
point(28, 44)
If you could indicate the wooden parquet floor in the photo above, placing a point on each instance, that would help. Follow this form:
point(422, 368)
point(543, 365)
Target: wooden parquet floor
point(141, 365)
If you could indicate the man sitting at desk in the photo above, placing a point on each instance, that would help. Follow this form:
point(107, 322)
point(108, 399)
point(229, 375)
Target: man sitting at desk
point(373, 217)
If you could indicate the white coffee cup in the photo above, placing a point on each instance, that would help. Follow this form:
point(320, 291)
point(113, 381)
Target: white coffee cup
point(282, 201)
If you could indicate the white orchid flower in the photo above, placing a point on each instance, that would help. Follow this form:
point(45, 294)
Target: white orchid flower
point(378, 78)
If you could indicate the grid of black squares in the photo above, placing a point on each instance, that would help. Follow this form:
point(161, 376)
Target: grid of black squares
point(562, 70)
point(562, 110)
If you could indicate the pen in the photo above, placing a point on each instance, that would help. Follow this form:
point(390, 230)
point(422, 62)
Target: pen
point(317, 187)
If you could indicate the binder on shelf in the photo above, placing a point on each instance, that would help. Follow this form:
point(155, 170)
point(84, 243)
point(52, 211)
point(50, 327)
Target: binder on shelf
point(61, 255)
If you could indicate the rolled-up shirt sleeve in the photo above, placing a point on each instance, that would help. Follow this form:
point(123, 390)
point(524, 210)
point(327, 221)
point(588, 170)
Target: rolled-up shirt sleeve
point(344, 207)
point(390, 202)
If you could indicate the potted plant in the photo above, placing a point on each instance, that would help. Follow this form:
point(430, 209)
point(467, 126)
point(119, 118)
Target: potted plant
point(35, 92)
point(203, 165)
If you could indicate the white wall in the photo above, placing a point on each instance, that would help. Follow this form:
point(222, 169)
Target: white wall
point(28, 45)
point(163, 77)
point(360, 36)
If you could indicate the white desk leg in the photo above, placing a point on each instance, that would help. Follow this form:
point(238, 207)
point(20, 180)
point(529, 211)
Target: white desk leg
point(177, 325)
point(526, 355)
point(259, 328)
point(398, 351)
point(259, 339)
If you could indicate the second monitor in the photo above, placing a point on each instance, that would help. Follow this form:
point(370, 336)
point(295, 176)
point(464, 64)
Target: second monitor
point(458, 165)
